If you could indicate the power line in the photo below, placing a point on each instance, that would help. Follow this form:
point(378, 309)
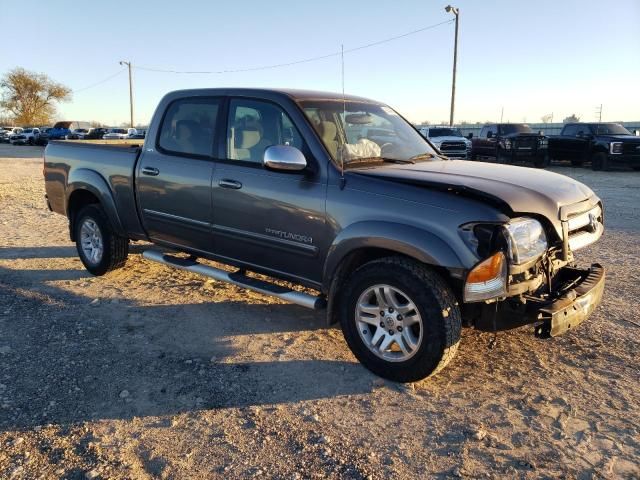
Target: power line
point(100, 82)
point(296, 62)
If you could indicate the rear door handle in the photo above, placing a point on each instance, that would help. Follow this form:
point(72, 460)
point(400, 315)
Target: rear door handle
point(226, 183)
point(150, 171)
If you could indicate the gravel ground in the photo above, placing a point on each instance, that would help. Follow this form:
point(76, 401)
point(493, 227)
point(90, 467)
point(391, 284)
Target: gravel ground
point(154, 373)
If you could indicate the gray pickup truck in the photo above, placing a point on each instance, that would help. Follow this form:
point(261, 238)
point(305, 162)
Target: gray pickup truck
point(400, 245)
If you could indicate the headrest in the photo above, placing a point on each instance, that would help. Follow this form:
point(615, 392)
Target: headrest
point(247, 138)
point(328, 130)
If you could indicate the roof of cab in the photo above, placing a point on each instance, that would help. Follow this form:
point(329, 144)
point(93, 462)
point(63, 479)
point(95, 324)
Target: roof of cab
point(295, 94)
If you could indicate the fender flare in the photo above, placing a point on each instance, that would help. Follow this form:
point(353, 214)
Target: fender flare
point(92, 181)
point(414, 242)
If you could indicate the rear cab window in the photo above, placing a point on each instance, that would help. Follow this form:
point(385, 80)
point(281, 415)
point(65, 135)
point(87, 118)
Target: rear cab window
point(189, 127)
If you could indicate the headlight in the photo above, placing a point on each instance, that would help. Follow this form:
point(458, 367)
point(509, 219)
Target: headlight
point(615, 147)
point(526, 239)
point(506, 144)
point(543, 143)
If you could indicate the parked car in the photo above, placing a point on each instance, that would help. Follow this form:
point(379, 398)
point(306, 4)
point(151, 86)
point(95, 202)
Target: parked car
point(27, 136)
point(96, 133)
point(402, 245)
point(510, 143)
point(448, 140)
point(43, 138)
point(79, 133)
point(6, 132)
point(62, 130)
point(602, 144)
point(119, 133)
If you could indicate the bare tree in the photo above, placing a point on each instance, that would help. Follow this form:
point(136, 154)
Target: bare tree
point(547, 118)
point(31, 97)
point(571, 118)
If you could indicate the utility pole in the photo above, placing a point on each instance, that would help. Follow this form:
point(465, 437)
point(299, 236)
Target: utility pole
point(501, 114)
point(456, 12)
point(599, 113)
point(128, 64)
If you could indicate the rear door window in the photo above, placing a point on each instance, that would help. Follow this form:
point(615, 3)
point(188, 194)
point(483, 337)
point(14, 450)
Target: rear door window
point(188, 127)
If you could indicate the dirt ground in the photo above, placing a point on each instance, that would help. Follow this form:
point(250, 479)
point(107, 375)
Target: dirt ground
point(154, 373)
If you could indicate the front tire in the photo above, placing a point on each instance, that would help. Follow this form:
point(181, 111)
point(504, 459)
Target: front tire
point(400, 319)
point(600, 162)
point(100, 249)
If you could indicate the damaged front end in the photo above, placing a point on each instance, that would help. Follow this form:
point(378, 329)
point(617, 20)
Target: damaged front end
point(541, 285)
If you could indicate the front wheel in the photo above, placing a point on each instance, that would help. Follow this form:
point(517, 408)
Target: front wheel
point(400, 319)
point(600, 161)
point(100, 249)
point(542, 161)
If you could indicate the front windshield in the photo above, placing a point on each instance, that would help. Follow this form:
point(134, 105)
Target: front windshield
point(444, 132)
point(359, 133)
point(611, 129)
point(515, 128)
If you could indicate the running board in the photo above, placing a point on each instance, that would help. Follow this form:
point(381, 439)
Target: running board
point(239, 279)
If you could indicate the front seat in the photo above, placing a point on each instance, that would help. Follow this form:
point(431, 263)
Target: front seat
point(328, 133)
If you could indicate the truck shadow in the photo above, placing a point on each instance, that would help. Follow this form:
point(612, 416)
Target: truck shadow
point(64, 359)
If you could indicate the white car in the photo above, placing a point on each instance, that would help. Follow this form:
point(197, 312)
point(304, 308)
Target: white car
point(449, 140)
point(6, 132)
point(119, 133)
point(27, 135)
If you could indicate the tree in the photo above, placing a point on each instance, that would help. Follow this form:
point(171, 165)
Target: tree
point(31, 97)
point(571, 119)
point(547, 118)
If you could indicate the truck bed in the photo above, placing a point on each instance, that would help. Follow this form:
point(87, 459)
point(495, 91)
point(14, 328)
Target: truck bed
point(107, 166)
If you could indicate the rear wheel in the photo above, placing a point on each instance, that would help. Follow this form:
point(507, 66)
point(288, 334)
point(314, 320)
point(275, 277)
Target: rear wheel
point(542, 162)
point(100, 249)
point(599, 161)
point(502, 157)
point(400, 319)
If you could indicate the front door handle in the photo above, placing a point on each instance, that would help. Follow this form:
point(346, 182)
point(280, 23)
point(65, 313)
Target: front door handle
point(150, 171)
point(226, 183)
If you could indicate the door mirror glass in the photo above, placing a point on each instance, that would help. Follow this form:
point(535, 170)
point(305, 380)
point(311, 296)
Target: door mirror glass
point(284, 157)
point(470, 136)
point(489, 134)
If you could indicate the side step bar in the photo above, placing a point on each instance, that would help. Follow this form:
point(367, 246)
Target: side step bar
point(239, 279)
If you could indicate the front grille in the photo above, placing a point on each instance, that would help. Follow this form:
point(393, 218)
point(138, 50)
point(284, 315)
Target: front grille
point(631, 148)
point(19, 137)
point(585, 228)
point(526, 142)
point(453, 147)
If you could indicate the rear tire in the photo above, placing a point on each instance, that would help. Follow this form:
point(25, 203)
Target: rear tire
point(600, 162)
point(542, 162)
point(418, 344)
point(502, 158)
point(100, 249)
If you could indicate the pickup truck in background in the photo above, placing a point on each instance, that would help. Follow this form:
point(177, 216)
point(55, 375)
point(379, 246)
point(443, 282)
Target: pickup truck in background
point(400, 245)
point(510, 143)
point(448, 140)
point(602, 144)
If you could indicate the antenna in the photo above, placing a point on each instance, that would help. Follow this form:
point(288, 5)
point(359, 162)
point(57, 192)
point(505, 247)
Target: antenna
point(344, 115)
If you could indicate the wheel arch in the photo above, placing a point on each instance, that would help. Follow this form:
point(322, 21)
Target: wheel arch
point(369, 241)
point(87, 187)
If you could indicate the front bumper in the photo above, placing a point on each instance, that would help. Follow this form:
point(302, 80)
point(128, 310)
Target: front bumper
point(575, 305)
point(575, 295)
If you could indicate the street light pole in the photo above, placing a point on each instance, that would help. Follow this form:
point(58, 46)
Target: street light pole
point(456, 12)
point(128, 64)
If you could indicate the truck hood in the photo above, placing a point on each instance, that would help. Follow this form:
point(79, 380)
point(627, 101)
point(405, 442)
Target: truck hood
point(515, 190)
point(619, 138)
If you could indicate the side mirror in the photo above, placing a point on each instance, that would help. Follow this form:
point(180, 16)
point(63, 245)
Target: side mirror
point(580, 134)
point(541, 133)
point(284, 157)
point(470, 136)
point(489, 134)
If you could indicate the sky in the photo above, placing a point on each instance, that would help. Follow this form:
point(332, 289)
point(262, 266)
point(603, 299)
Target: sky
point(524, 58)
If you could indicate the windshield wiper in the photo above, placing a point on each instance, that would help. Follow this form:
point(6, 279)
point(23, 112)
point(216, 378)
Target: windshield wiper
point(422, 156)
point(384, 159)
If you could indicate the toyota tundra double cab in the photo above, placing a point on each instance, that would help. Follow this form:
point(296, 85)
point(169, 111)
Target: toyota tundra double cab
point(400, 245)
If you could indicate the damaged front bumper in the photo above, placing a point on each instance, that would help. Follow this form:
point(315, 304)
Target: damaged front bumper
point(575, 295)
point(575, 305)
